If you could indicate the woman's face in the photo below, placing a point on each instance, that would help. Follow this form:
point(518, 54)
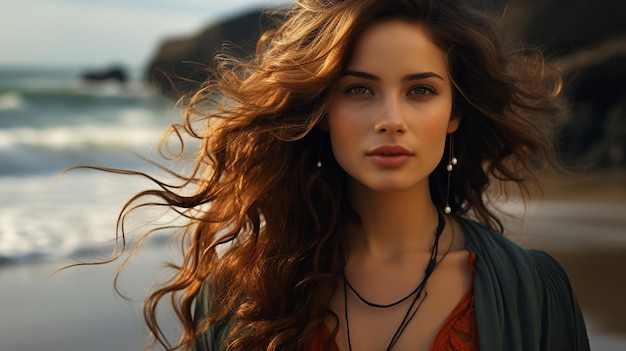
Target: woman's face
point(391, 108)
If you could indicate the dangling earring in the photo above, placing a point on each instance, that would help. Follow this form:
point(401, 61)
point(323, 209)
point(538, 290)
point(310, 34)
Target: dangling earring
point(452, 161)
point(318, 164)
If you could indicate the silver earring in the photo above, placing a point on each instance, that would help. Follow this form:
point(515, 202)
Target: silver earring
point(318, 164)
point(452, 161)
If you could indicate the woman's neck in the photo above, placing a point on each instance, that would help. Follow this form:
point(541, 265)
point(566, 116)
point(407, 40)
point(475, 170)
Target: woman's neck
point(392, 223)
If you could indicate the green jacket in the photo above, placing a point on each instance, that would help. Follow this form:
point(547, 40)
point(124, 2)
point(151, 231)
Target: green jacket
point(523, 299)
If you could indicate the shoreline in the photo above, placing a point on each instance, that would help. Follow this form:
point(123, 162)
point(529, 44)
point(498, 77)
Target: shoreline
point(77, 309)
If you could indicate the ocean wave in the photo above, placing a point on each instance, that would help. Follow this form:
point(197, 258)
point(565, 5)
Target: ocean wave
point(91, 136)
point(30, 150)
point(35, 107)
point(77, 87)
point(49, 122)
point(11, 100)
point(44, 218)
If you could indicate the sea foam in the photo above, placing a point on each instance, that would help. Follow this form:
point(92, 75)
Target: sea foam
point(11, 100)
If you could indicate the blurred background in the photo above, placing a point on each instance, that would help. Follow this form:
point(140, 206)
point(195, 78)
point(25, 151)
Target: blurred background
point(83, 83)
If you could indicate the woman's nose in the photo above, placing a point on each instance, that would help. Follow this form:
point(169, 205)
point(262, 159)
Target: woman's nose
point(391, 118)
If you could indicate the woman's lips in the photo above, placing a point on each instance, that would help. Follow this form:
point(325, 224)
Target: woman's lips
point(389, 156)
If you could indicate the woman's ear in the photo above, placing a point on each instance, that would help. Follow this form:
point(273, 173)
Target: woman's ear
point(454, 122)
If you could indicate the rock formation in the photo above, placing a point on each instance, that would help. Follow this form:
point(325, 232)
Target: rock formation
point(180, 65)
point(111, 74)
point(587, 39)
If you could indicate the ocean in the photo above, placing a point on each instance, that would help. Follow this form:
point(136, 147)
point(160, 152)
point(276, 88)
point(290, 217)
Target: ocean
point(51, 120)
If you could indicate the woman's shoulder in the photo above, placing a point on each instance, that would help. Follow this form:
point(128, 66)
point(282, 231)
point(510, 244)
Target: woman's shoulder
point(489, 244)
point(502, 259)
point(531, 285)
point(216, 334)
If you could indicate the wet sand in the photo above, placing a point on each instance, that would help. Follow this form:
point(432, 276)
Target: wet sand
point(598, 278)
point(77, 309)
point(583, 225)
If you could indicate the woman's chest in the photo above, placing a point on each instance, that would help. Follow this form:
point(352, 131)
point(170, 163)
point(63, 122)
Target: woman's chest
point(412, 324)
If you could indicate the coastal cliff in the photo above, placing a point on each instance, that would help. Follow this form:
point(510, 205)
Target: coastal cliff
point(182, 64)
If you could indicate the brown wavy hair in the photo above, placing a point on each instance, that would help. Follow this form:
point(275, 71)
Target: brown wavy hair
point(265, 225)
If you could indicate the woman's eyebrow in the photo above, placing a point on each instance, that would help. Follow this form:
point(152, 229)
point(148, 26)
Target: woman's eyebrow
point(414, 76)
point(360, 74)
point(418, 76)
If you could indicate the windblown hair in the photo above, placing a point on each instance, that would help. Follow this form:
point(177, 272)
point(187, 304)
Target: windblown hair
point(266, 226)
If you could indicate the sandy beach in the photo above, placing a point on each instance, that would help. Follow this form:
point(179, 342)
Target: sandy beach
point(582, 224)
point(77, 309)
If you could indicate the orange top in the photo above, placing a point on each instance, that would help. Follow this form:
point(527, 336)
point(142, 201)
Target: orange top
point(458, 333)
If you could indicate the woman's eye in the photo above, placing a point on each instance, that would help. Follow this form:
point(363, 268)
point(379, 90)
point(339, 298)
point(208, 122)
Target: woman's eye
point(422, 90)
point(358, 90)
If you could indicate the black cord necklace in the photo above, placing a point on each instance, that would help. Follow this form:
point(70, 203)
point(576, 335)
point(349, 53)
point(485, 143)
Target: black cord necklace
point(375, 305)
point(417, 293)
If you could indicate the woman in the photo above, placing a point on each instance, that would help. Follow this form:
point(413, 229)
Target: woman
point(339, 200)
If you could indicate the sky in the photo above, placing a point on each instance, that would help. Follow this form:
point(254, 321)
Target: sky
point(96, 33)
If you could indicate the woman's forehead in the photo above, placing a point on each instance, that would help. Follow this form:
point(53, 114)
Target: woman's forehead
point(397, 45)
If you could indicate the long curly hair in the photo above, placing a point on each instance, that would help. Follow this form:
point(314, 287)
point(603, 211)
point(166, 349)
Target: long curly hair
point(265, 224)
